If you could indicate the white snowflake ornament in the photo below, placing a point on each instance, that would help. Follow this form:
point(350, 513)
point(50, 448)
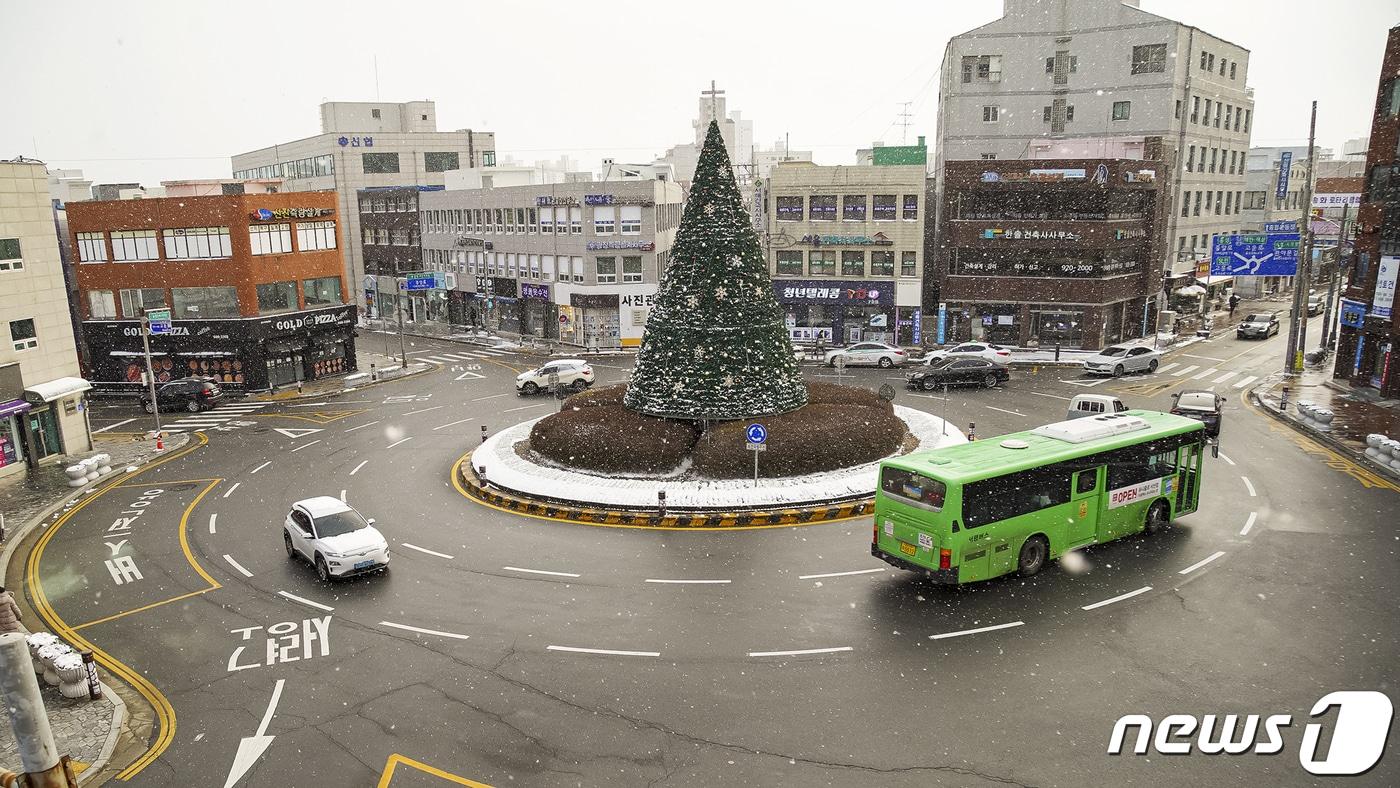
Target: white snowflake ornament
point(692, 301)
point(721, 292)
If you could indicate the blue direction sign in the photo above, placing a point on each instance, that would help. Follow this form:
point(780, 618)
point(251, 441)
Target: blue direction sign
point(1261, 254)
point(418, 283)
point(1281, 227)
point(158, 321)
point(757, 433)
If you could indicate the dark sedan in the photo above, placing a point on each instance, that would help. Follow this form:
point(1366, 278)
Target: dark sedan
point(191, 394)
point(958, 372)
point(1203, 406)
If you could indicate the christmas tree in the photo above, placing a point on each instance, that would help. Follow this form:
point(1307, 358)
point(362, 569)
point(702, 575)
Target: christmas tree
point(716, 345)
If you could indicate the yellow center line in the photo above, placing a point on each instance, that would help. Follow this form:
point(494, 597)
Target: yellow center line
point(396, 759)
point(144, 608)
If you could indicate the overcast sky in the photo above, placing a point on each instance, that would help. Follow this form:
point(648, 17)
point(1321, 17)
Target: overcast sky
point(150, 91)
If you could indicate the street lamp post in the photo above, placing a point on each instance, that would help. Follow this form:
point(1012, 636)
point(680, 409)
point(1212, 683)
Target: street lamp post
point(1329, 330)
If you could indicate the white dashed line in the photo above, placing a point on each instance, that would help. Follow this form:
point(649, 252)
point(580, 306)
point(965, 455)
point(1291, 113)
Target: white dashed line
point(237, 565)
point(307, 602)
point(539, 571)
point(1188, 570)
point(604, 651)
point(362, 426)
point(213, 518)
point(113, 426)
point(1227, 459)
point(684, 582)
point(800, 652)
point(527, 407)
point(260, 467)
point(422, 631)
point(425, 550)
point(450, 424)
point(424, 410)
point(842, 574)
point(493, 396)
point(1051, 396)
point(231, 489)
point(1248, 524)
point(342, 496)
point(1249, 486)
point(304, 445)
point(1118, 598)
point(358, 467)
point(975, 631)
point(397, 442)
point(1012, 412)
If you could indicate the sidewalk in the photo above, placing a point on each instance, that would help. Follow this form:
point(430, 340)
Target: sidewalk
point(1356, 414)
point(385, 368)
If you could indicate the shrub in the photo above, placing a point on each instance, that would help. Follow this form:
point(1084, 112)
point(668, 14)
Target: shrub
point(832, 394)
point(608, 438)
point(814, 438)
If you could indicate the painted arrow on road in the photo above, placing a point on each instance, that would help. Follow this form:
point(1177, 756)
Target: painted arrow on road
point(469, 376)
point(251, 748)
point(297, 432)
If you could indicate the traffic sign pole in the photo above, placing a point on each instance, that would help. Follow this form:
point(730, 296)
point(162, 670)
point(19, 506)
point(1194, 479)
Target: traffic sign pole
point(150, 369)
point(757, 436)
point(398, 307)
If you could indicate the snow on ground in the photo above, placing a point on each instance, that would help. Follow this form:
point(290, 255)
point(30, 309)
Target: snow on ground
point(507, 470)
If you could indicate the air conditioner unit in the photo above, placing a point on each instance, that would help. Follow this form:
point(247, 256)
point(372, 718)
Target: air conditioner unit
point(450, 280)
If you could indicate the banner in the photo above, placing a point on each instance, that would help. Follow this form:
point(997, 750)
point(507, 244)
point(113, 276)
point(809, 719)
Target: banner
point(1385, 286)
point(1285, 162)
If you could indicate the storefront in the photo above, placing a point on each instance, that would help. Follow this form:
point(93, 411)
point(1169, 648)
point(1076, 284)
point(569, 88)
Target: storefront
point(12, 425)
point(538, 315)
point(836, 312)
point(594, 320)
point(57, 412)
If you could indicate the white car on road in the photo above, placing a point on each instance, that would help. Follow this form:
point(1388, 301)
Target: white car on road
point(1117, 360)
point(868, 354)
point(574, 374)
point(993, 353)
point(334, 537)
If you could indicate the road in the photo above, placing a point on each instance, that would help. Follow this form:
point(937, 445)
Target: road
point(515, 651)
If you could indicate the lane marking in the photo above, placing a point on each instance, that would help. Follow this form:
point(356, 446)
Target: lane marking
point(387, 778)
point(540, 571)
point(1248, 524)
point(451, 424)
point(1250, 485)
point(1166, 367)
point(842, 574)
point(1188, 570)
point(271, 707)
point(609, 651)
point(237, 565)
point(1051, 396)
point(362, 426)
point(1118, 598)
point(425, 550)
point(212, 519)
point(975, 631)
point(260, 467)
point(1242, 382)
point(1225, 377)
point(358, 467)
point(113, 426)
point(424, 410)
point(1205, 373)
point(423, 631)
point(1207, 358)
point(342, 495)
point(491, 396)
point(304, 445)
point(231, 489)
point(1012, 412)
point(1226, 459)
point(395, 443)
point(308, 602)
point(800, 652)
point(1186, 370)
point(683, 582)
point(527, 407)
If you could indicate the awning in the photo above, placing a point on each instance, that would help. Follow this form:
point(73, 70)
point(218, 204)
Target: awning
point(1191, 290)
point(1215, 280)
point(58, 388)
point(218, 353)
point(12, 407)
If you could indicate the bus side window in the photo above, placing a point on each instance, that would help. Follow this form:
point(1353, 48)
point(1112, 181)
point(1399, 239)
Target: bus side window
point(1087, 480)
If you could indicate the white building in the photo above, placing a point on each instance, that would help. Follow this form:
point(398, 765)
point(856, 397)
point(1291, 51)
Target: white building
point(43, 411)
point(367, 144)
point(737, 133)
point(1087, 70)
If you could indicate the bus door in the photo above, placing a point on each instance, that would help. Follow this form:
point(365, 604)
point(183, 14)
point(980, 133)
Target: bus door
point(976, 554)
point(1084, 508)
point(1189, 468)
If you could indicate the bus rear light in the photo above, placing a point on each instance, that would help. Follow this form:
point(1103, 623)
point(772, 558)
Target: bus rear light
point(874, 533)
point(945, 559)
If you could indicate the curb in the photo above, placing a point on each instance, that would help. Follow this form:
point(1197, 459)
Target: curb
point(1322, 437)
point(113, 734)
point(338, 392)
point(470, 484)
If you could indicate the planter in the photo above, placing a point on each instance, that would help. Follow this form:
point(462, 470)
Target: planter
point(72, 675)
point(77, 475)
point(1373, 445)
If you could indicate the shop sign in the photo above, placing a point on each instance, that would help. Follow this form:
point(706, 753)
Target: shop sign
point(502, 286)
point(878, 239)
point(593, 300)
point(1126, 235)
point(1385, 286)
point(638, 299)
point(612, 199)
point(997, 233)
point(272, 214)
point(918, 326)
point(483, 284)
point(835, 292)
point(296, 322)
point(355, 142)
point(1034, 175)
point(1140, 176)
point(1285, 165)
point(1353, 313)
point(1336, 200)
point(463, 240)
point(175, 331)
point(534, 291)
point(547, 201)
point(645, 246)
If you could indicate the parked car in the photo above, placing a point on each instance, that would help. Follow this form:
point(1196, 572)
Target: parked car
point(958, 372)
point(1203, 406)
point(868, 354)
point(993, 353)
point(573, 374)
point(1260, 325)
point(1085, 405)
point(191, 394)
point(335, 538)
point(1316, 303)
point(1116, 360)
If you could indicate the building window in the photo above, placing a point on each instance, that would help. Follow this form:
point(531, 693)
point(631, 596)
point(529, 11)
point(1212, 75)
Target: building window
point(1248, 115)
point(789, 263)
point(196, 243)
point(195, 303)
point(488, 158)
point(1229, 203)
point(853, 264)
point(882, 263)
point(1203, 59)
point(315, 235)
point(1222, 66)
point(853, 207)
point(990, 113)
point(822, 207)
point(510, 222)
point(1073, 63)
point(1122, 110)
point(1196, 207)
point(272, 238)
point(1205, 119)
point(22, 334)
point(92, 248)
point(987, 156)
point(789, 209)
point(1185, 204)
point(134, 245)
point(1233, 155)
point(398, 236)
point(547, 221)
point(136, 301)
point(576, 221)
point(607, 270)
point(102, 305)
point(440, 162)
point(908, 263)
point(1191, 159)
point(604, 220)
point(1213, 154)
point(10, 256)
point(274, 297)
point(1149, 59)
point(981, 68)
point(1229, 113)
point(380, 162)
point(577, 264)
point(374, 113)
point(1195, 109)
point(630, 219)
point(1177, 114)
point(1069, 112)
point(1232, 69)
point(884, 208)
point(381, 236)
point(1219, 198)
point(911, 205)
point(631, 269)
point(821, 263)
point(1209, 195)
point(321, 291)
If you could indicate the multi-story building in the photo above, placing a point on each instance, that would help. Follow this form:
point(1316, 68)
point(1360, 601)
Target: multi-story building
point(1369, 331)
point(577, 262)
point(390, 243)
point(1099, 70)
point(366, 144)
point(737, 134)
point(42, 406)
point(1048, 251)
point(845, 249)
point(254, 283)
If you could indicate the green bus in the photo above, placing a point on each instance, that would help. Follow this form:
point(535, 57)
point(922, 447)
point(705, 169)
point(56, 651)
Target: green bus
point(988, 508)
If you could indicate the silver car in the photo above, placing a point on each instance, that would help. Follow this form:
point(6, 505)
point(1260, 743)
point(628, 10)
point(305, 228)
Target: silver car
point(1117, 360)
point(868, 353)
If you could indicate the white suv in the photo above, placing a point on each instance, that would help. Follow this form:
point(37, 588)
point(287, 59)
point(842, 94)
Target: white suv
point(334, 537)
point(994, 353)
point(573, 374)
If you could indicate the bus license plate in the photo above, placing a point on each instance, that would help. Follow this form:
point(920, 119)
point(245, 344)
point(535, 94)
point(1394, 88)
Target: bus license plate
point(906, 548)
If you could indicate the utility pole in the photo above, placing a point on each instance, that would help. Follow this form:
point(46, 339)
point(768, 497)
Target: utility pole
point(1329, 332)
point(398, 308)
point(1298, 321)
point(150, 368)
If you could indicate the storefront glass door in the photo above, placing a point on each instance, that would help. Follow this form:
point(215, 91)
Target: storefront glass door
point(43, 425)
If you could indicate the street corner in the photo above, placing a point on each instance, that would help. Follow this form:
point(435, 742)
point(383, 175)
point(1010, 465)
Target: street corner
point(401, 771)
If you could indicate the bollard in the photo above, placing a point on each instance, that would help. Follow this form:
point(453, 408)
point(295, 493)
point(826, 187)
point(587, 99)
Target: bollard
point(373, 374)
point(1057, 351)
point(661, 502)
point(38, 755)
point(1283, 400)
point(972, 430)
point(483, 433)
point(298, 386)
point(160, 442)
point(93, 682)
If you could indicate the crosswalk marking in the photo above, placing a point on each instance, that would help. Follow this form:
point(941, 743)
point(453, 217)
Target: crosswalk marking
point(1186, 370)
point(1166, 367)
point(456, 357)
point(1242, 382)
point(496, 352)
point(1225, 377)
point(1204, 373)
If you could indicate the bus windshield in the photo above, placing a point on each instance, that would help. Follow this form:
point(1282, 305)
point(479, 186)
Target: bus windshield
point(913, 488)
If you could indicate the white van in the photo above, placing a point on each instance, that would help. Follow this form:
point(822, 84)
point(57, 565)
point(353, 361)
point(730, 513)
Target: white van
point(1085, 405)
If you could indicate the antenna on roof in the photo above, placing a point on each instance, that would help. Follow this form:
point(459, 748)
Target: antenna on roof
point(903, 122)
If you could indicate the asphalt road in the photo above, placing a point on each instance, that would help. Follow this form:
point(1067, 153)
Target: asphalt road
point(515, 651)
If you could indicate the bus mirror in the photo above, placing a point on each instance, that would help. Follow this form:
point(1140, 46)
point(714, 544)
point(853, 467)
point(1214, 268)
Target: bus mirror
point(1215, 450)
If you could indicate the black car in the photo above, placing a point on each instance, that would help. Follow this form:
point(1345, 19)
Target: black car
point(1203, 406)
point(958, 372)
point(191, 394)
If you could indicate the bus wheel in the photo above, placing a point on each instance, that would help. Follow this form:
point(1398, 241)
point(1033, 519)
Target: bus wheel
point(1033, 555)
point(1158, 517)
